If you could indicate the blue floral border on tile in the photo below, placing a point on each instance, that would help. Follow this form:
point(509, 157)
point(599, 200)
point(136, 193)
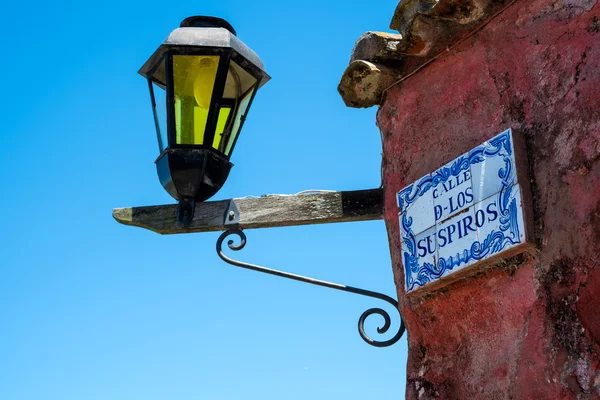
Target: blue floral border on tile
point(493, 243)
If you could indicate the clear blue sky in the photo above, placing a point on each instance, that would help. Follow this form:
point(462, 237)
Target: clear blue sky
point(90, 309)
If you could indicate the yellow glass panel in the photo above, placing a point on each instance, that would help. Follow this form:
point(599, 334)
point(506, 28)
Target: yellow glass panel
point(193, 81)
point(221, 124)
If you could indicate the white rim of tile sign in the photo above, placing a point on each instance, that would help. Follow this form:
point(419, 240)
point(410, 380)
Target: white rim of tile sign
point(463, 213)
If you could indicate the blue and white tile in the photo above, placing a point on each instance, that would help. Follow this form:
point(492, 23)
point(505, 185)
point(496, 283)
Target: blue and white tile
point(418, 215)
point(456, 238)
point(490, 175)
point(409, 194)
point(453, 190)
point(500, 227)
point(419, 257)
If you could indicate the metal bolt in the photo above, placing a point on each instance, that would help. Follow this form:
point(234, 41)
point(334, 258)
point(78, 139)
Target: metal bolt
point(231, 215)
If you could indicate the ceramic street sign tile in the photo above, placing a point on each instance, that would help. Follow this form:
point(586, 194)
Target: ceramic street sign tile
point(427, 252)
point(469, 211)
point(453, 191)
point(493, 172)
point(455, 236)
point(487, 219)
point(417, 210)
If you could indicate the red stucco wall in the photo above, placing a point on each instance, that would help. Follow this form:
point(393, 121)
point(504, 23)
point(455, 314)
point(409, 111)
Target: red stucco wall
point(529, 328)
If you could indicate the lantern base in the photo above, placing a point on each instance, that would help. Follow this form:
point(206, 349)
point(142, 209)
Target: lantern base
point(192, 174)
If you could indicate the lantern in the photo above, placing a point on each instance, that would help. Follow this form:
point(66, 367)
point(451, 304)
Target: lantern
point(202, 82)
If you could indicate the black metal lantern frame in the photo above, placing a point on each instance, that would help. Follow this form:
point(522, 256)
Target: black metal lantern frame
point(194, 162)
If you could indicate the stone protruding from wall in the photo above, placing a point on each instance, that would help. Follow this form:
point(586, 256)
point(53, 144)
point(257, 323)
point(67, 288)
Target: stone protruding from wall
point(462, 12)
point(363, 83)
point(365, 79)
point(426, 28)
point(380, 47)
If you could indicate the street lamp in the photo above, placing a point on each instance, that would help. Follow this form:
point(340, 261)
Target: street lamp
point(202, 81)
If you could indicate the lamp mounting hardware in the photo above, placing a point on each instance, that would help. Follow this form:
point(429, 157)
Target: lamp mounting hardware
point(361, 321)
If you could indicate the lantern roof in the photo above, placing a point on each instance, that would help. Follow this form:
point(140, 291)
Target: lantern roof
point(204, 32)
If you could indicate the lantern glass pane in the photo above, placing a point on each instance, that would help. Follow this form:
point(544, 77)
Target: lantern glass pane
point(160, 74)
point(240, 116)
point(222, 122)
point(238, 82)
point(193, 81)
point(237, 93)
point(160, 115)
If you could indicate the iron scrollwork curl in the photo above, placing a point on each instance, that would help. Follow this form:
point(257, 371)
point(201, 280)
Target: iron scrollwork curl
point(361, 321)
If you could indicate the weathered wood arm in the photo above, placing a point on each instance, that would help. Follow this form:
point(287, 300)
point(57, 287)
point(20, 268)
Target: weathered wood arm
point(261, 212)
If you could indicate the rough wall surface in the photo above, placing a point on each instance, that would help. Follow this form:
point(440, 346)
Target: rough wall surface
point(529, 328)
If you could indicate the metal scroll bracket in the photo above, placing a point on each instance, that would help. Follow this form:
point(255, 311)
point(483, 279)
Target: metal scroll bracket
point(337, 286)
